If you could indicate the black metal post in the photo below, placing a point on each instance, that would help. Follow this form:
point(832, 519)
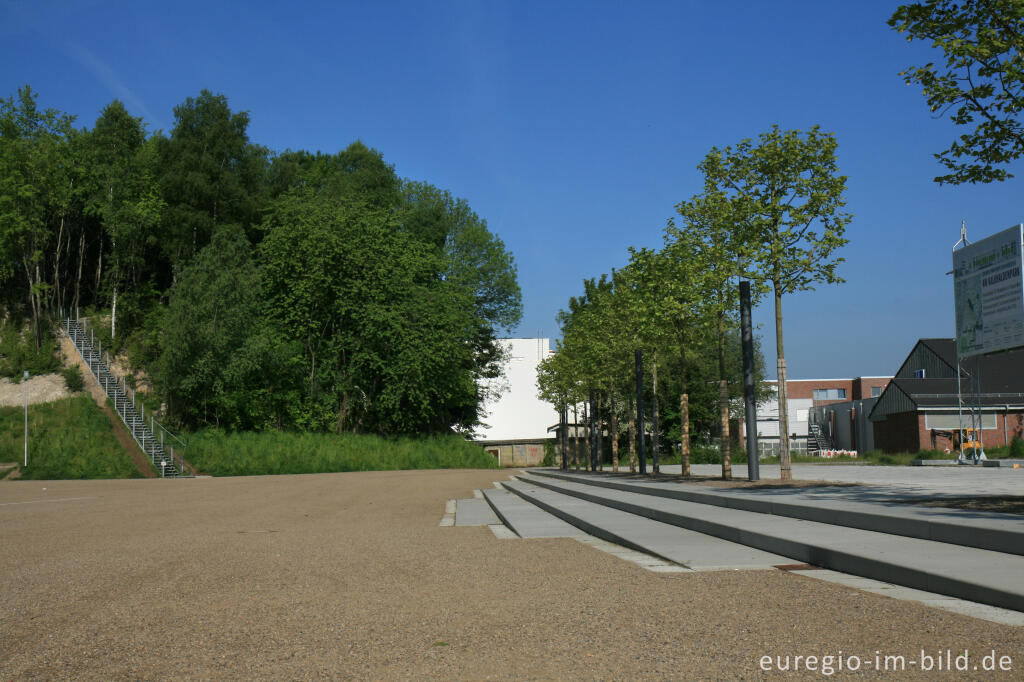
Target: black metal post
point(640, 411)
point(747, 332)
point(565, 437)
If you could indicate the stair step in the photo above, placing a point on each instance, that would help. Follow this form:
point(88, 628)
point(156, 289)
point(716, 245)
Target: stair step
point(984, 530)
point(474, 512)
point(966, 572)
point(696, 551)
point(526, 519)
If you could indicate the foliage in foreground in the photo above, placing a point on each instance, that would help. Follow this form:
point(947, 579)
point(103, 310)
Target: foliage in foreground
point(280, 452)
point(69, 438)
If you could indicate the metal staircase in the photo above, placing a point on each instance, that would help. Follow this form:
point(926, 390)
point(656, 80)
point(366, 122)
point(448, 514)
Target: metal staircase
point(156, 441)
point(818, 441)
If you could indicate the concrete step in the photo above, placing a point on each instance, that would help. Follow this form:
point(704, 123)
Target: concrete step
point(526, 519)
point(696, 551)
point(474, 512)
point(974, 574)
point(841, 506)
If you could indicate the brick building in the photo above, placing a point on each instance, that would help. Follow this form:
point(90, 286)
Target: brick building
point(802, 396)
point(921, 408)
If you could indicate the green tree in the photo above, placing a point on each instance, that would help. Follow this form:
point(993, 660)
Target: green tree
point(785, 198)
point(33, 193)
point(125, 197)
point(386, 344)
point(214, 309)
point(982, 82)
point(210, 175)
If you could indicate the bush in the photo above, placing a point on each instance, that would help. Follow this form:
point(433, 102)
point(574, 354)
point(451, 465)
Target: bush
point(73, 379)
point(1017, 448)
point(18, 352)
point(248, 453)
point(549, 454)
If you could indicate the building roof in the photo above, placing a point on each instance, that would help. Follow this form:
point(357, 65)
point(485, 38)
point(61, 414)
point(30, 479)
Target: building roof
point(988, 380)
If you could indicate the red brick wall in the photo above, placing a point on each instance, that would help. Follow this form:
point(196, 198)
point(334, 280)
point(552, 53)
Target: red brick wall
point(862, 386)
point(900, 433)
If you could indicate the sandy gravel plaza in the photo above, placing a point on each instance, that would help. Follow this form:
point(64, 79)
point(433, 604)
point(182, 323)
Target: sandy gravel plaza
point(350, 576)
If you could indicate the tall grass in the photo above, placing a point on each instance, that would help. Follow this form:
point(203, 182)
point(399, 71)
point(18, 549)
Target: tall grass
point(68, 438)
point(278, 452)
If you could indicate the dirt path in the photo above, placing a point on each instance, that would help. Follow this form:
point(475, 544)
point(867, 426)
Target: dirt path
point(350, 576)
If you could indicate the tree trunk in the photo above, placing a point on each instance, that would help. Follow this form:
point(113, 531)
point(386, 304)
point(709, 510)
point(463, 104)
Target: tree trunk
point(632, 441)
point(113, 314)
point(684, 423)
point(784, 459)
point(78, 277)
point(600, 439)
point(56, 298)
point(654, 407)
point(614, 431)
point(684, 414)
point(723, 402)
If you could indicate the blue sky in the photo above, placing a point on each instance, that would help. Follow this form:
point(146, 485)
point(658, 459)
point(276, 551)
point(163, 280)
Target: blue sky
point(573, 128)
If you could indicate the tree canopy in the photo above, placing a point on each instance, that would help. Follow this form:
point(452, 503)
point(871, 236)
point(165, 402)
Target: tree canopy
point(981, 84)
point(304, 290)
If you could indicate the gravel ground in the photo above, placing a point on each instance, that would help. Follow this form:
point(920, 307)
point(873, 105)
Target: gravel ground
point(43, 388)
point(350, 576)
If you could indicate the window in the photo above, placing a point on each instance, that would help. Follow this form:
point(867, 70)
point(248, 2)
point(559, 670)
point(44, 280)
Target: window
point(829, 394)
point(876, 391)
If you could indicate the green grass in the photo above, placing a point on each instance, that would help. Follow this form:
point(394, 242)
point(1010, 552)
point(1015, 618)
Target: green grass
point(278, 452)
point(69, 438)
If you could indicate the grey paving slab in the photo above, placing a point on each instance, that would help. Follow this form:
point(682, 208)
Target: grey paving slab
point(938, 601)
point(474, 512)
point(960, 480)
point(965, 572)
point(528, 520)
point(696, 551)
point(864, 507)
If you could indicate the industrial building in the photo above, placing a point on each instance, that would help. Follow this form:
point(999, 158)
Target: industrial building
point(925, 406)
point(515, 423)
point(805, 399)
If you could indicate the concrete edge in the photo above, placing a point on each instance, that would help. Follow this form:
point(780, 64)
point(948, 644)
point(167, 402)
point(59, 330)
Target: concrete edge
point(805, 552)
point(994, 539)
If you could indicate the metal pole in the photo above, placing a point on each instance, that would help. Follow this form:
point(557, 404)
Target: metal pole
point(640, 411)
point(750, 405)
point(565, 436)
point(24, 393)
point(593, 435)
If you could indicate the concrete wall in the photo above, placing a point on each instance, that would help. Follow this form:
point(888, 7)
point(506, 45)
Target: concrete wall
point(516, 454)
point(518, 414)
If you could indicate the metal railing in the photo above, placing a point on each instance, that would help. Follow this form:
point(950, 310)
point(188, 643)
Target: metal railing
point(155, 440)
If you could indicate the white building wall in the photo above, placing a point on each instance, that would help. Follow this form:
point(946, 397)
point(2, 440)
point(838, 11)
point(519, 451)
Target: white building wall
point(518, 413)
point(798, 415)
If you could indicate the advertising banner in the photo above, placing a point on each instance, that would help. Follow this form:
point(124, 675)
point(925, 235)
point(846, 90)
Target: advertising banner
point(989, 294)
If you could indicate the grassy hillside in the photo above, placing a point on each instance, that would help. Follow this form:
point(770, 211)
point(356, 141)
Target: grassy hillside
point(69, 438)
point(274, 452)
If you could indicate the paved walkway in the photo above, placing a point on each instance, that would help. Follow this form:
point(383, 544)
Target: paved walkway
point(953, 481)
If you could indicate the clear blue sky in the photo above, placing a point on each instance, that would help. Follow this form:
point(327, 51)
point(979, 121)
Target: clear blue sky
point(573, 128)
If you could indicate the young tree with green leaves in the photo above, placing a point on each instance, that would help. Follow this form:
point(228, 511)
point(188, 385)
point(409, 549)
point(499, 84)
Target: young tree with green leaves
point(982, 82)
point(786, 200)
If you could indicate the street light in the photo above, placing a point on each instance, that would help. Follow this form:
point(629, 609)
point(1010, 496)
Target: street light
point(24, 393)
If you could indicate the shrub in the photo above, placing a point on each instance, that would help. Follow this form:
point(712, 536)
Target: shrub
point(549, 454)
point(73, 379)
point(1017, 448)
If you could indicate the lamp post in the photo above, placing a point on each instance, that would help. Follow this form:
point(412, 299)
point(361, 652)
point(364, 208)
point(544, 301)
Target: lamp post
point(24, 393)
